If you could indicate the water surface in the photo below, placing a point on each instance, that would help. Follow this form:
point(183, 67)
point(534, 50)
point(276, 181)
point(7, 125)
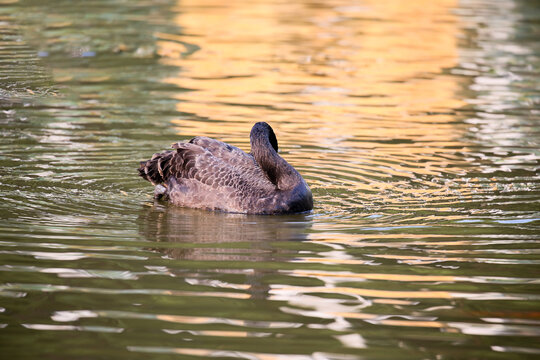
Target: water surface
point(416, 125)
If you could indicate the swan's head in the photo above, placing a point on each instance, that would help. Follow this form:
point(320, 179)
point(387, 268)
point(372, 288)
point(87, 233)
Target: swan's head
point(260, 132)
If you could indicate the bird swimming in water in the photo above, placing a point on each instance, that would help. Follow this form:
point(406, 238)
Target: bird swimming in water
point(210, 174)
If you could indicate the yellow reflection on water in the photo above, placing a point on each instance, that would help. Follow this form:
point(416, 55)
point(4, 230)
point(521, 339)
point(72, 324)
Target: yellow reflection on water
point(326, 71)
point(373, 317)
point(375, 276)
point(364, 292)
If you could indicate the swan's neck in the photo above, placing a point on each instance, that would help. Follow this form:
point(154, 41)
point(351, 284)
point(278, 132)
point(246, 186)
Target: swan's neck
point(279, 171)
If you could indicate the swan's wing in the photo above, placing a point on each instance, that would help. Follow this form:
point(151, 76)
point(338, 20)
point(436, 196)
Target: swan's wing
point(195, 177)
point(198, 178)
point(188, 162)
point(192, 161)
point(158, 169)
point(227, 153)
point(237, 159)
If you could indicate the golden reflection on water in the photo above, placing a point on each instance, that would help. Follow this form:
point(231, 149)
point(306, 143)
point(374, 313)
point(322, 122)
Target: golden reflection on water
point(375, 276)
point(327, 76)
point(366, 292)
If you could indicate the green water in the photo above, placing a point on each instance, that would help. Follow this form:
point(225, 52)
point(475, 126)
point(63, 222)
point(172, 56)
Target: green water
point(416, 125)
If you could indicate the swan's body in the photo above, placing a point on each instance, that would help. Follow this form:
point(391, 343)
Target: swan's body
point(209, 174)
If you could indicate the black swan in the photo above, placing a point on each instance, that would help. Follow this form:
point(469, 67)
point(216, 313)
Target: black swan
point(209, 174)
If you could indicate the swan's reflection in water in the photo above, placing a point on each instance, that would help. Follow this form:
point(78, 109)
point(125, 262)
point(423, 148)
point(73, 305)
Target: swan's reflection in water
point(236, 241)
point(170, 223)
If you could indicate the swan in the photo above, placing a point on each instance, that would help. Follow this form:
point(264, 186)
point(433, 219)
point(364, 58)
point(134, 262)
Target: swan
point(209, 174)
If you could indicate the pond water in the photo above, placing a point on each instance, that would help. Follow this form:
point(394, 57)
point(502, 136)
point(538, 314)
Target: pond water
point(416, 125)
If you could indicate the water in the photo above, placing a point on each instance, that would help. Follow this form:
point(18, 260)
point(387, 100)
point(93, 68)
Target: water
point(416, 125)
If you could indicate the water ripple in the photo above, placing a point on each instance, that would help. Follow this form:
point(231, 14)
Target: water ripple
point(415, 125)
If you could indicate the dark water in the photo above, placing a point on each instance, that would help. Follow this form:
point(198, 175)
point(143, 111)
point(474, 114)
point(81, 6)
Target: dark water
point(416, 124)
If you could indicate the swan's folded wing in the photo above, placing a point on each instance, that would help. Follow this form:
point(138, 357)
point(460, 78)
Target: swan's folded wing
point(234, 157)
point(228, 153)
point(193, 161)
point(157, 169)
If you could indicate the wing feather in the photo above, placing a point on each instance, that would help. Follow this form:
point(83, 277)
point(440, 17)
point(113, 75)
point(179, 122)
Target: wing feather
point(207, 173)
point(216, 165)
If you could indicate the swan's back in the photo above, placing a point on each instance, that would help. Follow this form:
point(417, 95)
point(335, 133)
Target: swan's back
point(207, 173)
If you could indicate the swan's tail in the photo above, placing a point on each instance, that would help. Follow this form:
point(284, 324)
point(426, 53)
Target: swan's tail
point(157, 169)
